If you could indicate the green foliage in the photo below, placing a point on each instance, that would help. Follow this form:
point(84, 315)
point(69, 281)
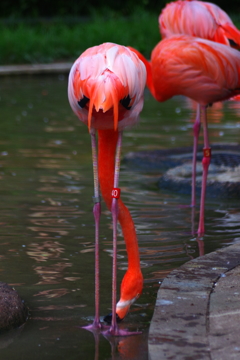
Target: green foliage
point(41, 40)
point(58, 40)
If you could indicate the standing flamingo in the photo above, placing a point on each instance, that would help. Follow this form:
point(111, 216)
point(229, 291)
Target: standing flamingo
point(202, 70)
point(105, 91)
point(204, 20)
point(200, 19)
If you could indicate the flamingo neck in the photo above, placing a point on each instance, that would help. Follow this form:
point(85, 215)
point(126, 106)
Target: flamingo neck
point(148, 66)
point(150, 84)
point(107, 140)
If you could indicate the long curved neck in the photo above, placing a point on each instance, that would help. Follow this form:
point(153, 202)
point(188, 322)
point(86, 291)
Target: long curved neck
point(148, 66)
point(149, 75)
point(107, 140)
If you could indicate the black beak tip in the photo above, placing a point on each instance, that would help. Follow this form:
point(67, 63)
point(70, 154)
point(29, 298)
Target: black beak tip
point(108, 318)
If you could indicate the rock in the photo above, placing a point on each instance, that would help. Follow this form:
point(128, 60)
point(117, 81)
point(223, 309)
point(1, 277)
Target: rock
point(222, 181)
point(13, 311)
point(175, 169)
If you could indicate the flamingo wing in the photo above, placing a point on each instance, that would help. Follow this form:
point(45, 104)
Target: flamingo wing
point(197, 68)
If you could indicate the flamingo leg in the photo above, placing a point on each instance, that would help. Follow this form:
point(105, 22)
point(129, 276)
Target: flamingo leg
point(205, 163)
point(114, 329)
point(196, 130)
point(114, 209)
point(97, 213)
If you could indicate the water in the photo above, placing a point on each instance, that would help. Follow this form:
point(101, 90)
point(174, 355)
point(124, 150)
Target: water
point(47, 230)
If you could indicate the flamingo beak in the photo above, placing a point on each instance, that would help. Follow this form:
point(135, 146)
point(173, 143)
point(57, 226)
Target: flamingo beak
point(122, 312)
point(108, 318)
point(122, 309)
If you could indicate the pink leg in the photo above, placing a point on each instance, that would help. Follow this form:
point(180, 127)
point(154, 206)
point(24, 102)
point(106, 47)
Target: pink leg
point(205, 163)
point(96, 212)
point(193, 220)
point(114, 329)
point(201, 247)
point(196, 130)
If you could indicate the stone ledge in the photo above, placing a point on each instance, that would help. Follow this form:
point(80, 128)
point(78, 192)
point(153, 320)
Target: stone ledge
point(184, 323)
point(35, 69)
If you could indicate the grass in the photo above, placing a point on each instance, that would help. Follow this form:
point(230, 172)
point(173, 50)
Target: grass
point(54, 40)
point(45, 41)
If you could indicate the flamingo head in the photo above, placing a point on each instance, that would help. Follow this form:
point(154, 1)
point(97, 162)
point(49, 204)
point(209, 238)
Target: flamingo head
point(106, 86)
point(131, 289)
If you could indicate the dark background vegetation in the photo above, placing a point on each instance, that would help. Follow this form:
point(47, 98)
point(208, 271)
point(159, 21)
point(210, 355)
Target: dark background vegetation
point(45, 31)
point(52, 8)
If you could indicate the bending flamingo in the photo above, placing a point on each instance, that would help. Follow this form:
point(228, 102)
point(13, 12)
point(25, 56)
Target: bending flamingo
point(202, 70)
point(204, 20)
point(105, 91)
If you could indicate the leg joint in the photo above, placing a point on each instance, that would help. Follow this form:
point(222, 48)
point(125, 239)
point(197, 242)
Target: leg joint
point(96, 199)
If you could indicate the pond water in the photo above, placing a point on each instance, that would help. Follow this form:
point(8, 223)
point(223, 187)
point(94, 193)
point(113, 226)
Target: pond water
point(47, 228)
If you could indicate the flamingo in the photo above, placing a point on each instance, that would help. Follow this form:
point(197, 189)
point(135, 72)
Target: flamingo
point(105, 91)
point(201, 19)
point(202, 70)
point(204, 20)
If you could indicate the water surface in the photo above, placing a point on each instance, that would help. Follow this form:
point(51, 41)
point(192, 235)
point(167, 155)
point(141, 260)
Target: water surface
point(47, 229)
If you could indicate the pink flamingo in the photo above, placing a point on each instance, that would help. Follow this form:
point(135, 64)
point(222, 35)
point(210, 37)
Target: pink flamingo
point(202, 70)
point(200, 19)
point(105, 91)
point(204, 20)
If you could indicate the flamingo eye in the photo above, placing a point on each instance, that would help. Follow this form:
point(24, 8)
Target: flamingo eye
point(83, 102)
point(125, 102)
point(232, 43)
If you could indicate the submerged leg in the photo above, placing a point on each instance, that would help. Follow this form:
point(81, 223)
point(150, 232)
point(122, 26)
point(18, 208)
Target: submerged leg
point(115, 196)
point(114, 329)
point(132, 283)
point(205, 163)
point(96, 212)
point(196, 130)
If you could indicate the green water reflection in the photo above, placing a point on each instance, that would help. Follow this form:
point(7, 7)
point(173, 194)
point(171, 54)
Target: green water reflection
point(47, 230)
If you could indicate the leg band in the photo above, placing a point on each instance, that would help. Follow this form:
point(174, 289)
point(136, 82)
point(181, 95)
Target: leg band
point(116, 192)
point(207, 152)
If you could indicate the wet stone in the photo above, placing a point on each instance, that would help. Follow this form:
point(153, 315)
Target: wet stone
point(222, 180)
point(13, 311)
point(176, 166)
point(224, 319)
point(193, 307)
